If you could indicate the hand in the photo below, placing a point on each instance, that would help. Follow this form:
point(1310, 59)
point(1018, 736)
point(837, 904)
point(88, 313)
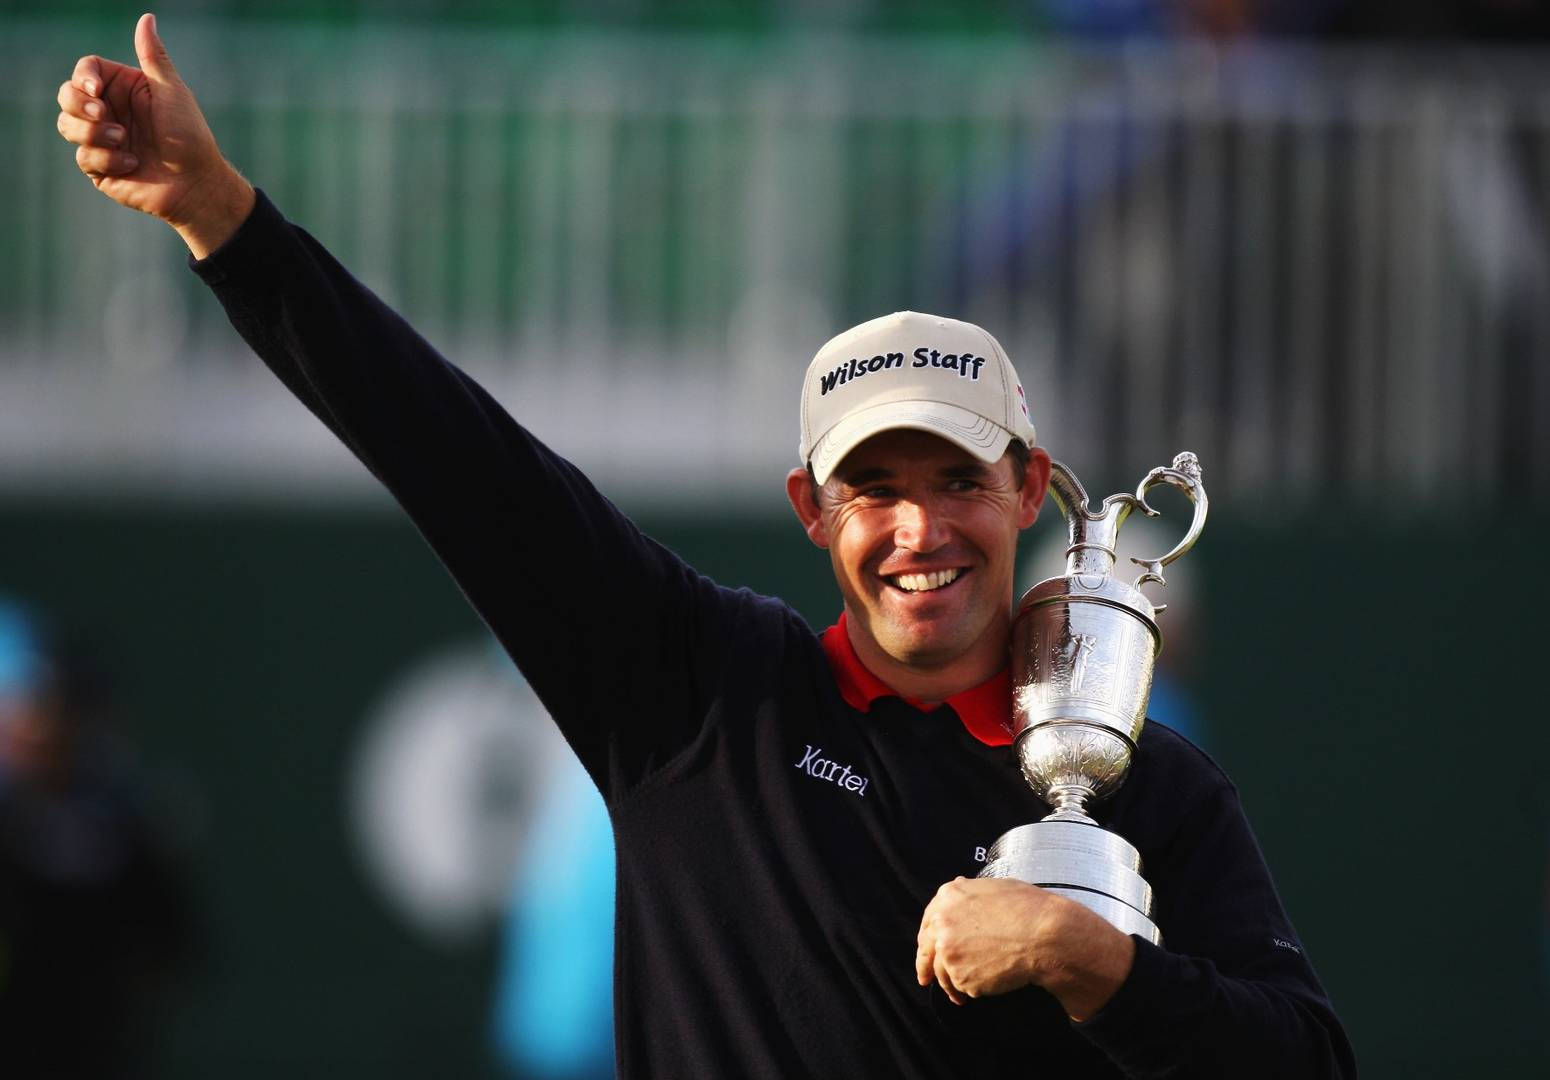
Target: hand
point(143, 142)
point(982, 936)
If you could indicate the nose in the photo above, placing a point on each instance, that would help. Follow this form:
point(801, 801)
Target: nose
point(919, 526)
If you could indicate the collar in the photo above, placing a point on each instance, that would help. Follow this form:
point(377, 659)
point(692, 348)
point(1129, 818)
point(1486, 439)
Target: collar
point(985, 710)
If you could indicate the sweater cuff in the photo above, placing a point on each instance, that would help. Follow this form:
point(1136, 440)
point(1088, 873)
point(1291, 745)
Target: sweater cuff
point(1150, 1022)
point(253, 247)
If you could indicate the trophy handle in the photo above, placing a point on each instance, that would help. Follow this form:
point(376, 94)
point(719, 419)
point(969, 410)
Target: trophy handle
point(1067, 491)
point(1184, 475)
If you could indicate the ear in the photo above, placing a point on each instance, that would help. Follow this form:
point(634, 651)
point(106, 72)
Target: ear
point(1035, 487)
point(799, 489)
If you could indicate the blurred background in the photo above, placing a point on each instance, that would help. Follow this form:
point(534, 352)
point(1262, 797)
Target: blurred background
point(1308, 240)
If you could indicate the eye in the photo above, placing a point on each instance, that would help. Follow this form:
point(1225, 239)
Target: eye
point(963, 484)
point(876, 491)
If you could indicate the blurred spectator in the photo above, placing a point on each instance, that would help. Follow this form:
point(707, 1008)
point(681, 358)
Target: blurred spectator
point(93, 917)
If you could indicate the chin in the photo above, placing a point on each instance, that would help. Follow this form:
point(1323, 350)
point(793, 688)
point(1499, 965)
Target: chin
point(924, 650)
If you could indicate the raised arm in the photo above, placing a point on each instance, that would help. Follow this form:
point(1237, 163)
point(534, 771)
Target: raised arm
point(142, 140)
point(595, 614)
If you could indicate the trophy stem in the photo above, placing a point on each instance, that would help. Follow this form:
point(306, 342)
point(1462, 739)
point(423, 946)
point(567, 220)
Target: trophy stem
point(1070, 803)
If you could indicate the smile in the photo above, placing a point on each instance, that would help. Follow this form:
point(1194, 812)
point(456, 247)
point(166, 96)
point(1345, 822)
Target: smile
point(927, 582)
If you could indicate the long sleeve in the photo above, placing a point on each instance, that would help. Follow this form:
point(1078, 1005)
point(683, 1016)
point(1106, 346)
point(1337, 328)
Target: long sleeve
point(692, 707)
point(1255, 1007)
point(594, 613)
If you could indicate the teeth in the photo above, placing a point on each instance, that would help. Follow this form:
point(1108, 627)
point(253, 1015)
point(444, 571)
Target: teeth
point(926, 582)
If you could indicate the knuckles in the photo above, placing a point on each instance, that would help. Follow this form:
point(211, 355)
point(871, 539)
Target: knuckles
point(949, 891)
point(950, 949)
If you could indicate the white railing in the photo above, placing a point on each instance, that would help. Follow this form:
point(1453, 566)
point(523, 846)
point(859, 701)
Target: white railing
point(1323, 272)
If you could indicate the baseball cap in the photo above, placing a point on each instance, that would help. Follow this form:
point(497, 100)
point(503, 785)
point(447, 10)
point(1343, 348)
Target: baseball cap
point(910, 370)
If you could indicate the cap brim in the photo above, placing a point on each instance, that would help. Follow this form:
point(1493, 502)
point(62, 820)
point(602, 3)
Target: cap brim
point(983, 438)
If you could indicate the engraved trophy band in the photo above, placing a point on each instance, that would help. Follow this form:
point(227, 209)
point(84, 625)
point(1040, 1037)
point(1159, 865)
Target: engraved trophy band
point(1083, 649)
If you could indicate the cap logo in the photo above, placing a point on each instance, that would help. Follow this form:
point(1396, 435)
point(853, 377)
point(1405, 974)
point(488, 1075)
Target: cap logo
point(965, 365)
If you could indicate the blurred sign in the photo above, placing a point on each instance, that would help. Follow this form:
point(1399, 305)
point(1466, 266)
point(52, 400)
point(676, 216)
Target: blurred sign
point(444, 777)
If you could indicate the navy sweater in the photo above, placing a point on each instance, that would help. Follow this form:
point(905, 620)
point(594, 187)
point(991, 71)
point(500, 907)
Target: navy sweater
point(768, 900)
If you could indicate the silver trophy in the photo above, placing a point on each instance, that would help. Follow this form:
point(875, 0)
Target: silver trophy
point(1083, 646)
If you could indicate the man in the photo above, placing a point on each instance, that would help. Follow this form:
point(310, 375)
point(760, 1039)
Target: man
point(786, 807)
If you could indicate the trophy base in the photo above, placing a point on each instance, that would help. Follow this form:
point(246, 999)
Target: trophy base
point(1094, 867)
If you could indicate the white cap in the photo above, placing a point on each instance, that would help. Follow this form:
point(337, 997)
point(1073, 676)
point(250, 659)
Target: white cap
point(909, 370)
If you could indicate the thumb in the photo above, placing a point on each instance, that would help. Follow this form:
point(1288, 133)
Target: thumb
point(154, 60)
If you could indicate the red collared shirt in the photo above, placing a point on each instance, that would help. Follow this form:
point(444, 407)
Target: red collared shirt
point(986, 709)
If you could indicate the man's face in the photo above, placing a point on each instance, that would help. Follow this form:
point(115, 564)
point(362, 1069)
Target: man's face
point(922, 536)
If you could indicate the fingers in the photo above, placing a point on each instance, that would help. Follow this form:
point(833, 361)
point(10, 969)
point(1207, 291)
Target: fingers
point(101, 161)
point(73, 101)
point(99, 89)
point(152, 52)
point(925, 963)
point(929, 963)
point(90, 133)
point(925, 941)
point(945, 980)
point(100, 141)
point(95, 76)
point(88, 75)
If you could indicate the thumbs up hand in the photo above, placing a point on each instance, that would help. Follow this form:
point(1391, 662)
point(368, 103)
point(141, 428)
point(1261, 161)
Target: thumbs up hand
point(141, 139)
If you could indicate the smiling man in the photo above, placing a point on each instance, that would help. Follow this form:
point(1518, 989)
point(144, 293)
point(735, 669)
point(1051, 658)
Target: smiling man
point(918, 480)
point(797, 816)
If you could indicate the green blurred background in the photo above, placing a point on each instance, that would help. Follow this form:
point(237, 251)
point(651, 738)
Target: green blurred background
point(1307, 241)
